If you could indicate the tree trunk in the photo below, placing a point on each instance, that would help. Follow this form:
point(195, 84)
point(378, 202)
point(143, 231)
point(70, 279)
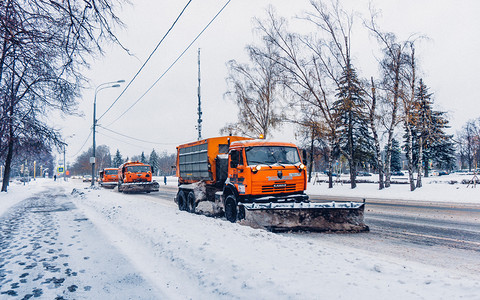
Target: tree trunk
point(427, 167)
point(353, 174)
point(8, 160)
point(310, 169)
point(378, 151)
point(381, 183)
point(351, 159)
point(393, 123)
point(420, 162)
point(330, 166)
point(410, 156)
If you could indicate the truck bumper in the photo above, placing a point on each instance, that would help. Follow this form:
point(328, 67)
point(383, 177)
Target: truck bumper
point(109, 185)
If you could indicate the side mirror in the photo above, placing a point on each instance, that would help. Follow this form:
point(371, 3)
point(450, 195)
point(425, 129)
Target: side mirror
point(304, 156)
point(233, 164)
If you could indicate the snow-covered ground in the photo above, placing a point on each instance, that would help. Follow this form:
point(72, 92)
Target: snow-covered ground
point(188, 256)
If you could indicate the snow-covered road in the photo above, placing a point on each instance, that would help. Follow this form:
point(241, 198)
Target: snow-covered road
point(168, 254)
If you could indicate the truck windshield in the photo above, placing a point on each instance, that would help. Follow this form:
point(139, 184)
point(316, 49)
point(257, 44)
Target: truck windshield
point(138, 169)
point(111, 172)
point(270, 155)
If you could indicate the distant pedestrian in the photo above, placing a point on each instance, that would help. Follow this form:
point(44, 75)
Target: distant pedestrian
point(54, 177)
point(165, 179)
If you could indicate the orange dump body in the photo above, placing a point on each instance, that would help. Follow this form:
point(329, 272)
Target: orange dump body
point(196, 161)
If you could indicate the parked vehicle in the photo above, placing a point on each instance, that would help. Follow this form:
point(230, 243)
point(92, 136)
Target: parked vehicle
point(333, 174)
point(109, 178)
point(397, 173)
point(87, 178)
point(363, 173)
point(136, 177)
point(259, 183)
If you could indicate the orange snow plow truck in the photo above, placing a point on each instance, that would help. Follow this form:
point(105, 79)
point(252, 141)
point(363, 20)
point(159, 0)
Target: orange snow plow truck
point(109, 178)
point(257, 183)
point(136, 177)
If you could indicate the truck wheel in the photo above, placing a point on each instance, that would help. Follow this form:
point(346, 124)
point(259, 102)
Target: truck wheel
point(191, 202)
point(231, 209)
point(182, 201)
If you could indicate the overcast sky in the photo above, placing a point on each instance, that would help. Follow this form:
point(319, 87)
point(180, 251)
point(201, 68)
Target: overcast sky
point(167, 115)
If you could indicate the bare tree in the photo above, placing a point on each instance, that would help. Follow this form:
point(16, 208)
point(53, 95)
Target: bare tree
point(43, 46)
point(82, 164)
point(312, 67)
point(392, 65)
point(469, 143)
point(374, 118)
point(254, 90)
point(409, 118)
point(311, 129)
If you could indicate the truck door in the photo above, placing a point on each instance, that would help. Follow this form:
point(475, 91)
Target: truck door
point(235, 172)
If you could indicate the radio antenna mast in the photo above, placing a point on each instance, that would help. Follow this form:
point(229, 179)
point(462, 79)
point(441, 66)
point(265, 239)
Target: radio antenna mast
point(199, 121)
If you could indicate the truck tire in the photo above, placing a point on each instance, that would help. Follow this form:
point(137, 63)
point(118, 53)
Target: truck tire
point(231, 208)
point(182, 200)
point(191, 202)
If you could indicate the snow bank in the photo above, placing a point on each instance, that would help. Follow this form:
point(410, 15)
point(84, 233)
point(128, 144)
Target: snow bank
point(17, 191)
point(436, 188)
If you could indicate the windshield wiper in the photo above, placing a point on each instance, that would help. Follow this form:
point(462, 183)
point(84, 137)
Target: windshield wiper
point(260, 162)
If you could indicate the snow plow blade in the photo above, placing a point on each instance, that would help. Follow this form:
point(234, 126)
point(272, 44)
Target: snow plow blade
point(138, 187)
point(306, 216)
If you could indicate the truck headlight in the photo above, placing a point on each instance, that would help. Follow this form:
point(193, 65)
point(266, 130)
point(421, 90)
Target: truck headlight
point(301, 167)
point(256, 169)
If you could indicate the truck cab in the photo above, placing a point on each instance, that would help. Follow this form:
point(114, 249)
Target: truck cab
point(262, 172)
point(109, 177)
point(265, 171)
point(136, 177)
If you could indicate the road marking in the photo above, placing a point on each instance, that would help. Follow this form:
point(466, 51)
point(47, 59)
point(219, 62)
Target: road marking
point(440, 238)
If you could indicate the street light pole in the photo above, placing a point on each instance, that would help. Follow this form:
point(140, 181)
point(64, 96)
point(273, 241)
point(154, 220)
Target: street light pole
point(64, 163)
point(106, 85)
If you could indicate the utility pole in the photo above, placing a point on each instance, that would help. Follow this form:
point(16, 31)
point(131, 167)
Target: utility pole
point(199, 121)
point(102, 86)
point(64, 164)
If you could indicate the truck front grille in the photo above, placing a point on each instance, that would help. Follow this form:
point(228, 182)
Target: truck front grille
point(277, 188)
